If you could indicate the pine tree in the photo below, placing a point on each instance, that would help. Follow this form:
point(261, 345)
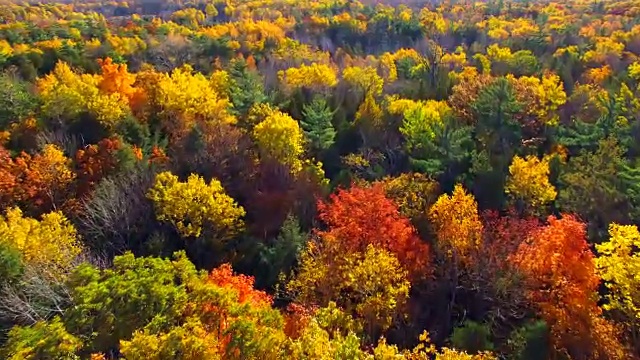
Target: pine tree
point(317, 125)
point(498, 135)
point(582, 135)
point(246, 89)
point(439, 156)
point(280, 257)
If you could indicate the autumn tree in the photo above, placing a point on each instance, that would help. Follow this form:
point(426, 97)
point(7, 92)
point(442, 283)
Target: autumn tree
point(457, 225)
point(49, 243)
point(562, 283)
point(37, 256)
point(528, 182)
point(414, 194)
point(370, 285)
point(361, 216)
point(67, 95)
point(117, 79)
point(95, 162)
point(191, 98)
point(142, 304)
point(316, 77)
point(618, 262)
point(366, 79)
point(495, 285)
point(41, 182)
point(8, 177)
point(194, 206)
point(280, 138)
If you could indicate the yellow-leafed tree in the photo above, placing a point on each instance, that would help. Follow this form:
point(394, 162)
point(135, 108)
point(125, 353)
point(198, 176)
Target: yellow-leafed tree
point(314, 76)
point(528, 181)
point(618, 264)
point(186, 98)
point(66, 95)
point(50, 244)
point(193, 205)
point(280, 138)
point(371, 285)
point(457, 224)
point(367, 79)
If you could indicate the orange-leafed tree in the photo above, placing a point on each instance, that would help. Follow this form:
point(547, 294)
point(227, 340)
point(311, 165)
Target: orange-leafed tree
point(94, 162)
point(562, 284)
point(243, 284)
point(43, 180)
point(116, 79)
point(502, 236)
point(493, 277)
point(242, 303)
point(8, 178)
point(361, 216)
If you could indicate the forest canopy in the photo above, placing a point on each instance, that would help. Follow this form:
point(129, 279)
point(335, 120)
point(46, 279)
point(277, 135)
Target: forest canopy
point(320, 179)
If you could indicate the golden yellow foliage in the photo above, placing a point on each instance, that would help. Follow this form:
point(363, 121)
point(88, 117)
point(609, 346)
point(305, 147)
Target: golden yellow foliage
point(314, 76)
point(425, 350)
point(193, 205)
point(49, 244)
point(367, 79)
point(433, 22)
point(618, 264)
point(372, 284)
point(548, 95)
point(192, 96)
point(528, 181)
point(501, 54)
point(66, 95)
point(634, 71)
point(279, 137)
point(457, 224)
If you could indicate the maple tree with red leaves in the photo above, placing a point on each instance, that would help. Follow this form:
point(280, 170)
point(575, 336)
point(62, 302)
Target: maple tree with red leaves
point(360, 216)
point(503, 236)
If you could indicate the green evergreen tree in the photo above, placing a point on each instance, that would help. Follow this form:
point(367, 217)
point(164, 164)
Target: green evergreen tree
point(246, 88)
point(442, 154)
point(599, 186)
point(280, 256)
point(530, 342)
point(582, 135)
point(498, 136)
point(317, 125)
point(472, 337)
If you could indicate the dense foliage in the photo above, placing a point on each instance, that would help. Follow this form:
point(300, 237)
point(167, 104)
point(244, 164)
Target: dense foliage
point(319, 179)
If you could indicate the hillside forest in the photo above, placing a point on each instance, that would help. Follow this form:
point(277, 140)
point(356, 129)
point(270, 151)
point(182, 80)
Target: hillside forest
point(319, 179)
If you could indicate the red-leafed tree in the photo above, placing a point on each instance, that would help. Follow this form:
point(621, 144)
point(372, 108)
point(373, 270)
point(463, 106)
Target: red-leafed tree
point(503, 236)
point(361, 216)
point(561, 283)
